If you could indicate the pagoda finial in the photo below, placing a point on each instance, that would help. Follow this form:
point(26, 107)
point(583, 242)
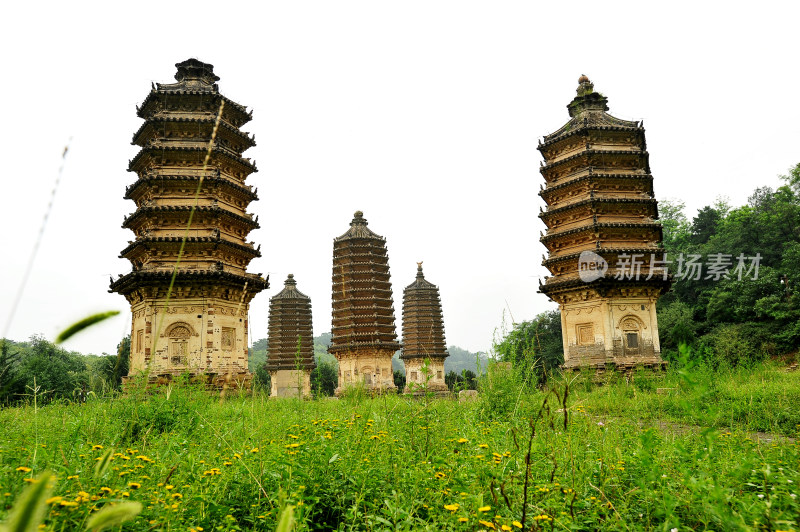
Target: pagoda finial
point(290, 281)
point(419, 270)
point(587, 99)
point(193, 71)
point(358, 219)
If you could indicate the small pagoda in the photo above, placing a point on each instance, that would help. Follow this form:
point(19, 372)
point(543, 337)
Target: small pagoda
point(290, 358)
point(363, 335)
point(189, 288)
point(603, 237)
point(424, 348)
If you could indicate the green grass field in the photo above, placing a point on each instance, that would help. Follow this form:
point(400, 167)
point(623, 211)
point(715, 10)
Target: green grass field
point(625, 458)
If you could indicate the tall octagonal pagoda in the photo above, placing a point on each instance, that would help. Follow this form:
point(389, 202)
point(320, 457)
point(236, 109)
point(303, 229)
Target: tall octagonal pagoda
point(602, 237)
point(423, 336)
point(189, 288)
point(363, 335)
point(291, 342)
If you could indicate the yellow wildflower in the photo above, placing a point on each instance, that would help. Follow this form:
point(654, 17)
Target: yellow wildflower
point(487, 524)
point(451, 507)
point(517, 524)
point(484, 508)
point(24, 469)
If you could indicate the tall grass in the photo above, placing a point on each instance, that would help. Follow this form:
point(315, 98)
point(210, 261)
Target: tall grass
point(395, 463)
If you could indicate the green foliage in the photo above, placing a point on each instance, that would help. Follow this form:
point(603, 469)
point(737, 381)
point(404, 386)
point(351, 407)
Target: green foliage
point(399, 379)
point(460, 360)
point(10, 381)
point(58, 372)
point(534, 348)
point(676, 325)
point(88, 321)
point(467, 380)
point(29, 510)
point(324, 379)
point(500, 390)
point(257, 353)
point(261, 378)
point(101, 467)
point(113, 514)
point(745, 319)
point(619, 457)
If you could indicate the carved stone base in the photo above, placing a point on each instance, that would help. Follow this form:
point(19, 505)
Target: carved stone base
point(222, 382)
point(290, 383)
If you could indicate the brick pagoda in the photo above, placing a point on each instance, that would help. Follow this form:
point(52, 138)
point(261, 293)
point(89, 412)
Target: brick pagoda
point(423, 335)
point(291, 342)
point(192, 198)
point(602, 237)
point(363, 335)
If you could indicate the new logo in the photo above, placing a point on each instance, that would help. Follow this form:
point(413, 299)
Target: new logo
point(591, 266)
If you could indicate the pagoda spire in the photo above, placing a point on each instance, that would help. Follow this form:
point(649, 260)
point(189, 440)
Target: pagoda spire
point(587, 99)
point(190, 168)
point(424, 347)
point(363, 334)
point(290, 343)
point(601, 215)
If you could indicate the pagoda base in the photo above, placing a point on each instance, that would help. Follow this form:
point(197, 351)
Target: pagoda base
point(437, 390)
point(370, 369)
point(290, 383)
point(620, 364)
point(222, 382)
point(424, 373)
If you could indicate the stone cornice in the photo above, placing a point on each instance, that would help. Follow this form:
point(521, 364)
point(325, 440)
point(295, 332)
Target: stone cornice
point(165, 209)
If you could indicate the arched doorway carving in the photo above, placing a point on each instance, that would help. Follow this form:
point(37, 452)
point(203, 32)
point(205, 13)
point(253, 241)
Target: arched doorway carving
point(631, 334)
point(178, 335)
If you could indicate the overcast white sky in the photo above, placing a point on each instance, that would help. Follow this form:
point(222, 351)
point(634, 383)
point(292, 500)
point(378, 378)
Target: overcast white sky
point(423, 114)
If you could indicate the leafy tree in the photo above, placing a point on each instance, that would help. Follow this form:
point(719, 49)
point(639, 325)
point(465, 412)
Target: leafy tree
point(57, 372)
point(10, 382)
point(534, 346)
point(676, 326)
point(324, 378)
point(676, 228)
point(704, 225)
point(113, 368)
point(261, 377)
point(467, 380)
point(257, 354)
point(399, 381)
point(759, 309)
point(793, 178)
